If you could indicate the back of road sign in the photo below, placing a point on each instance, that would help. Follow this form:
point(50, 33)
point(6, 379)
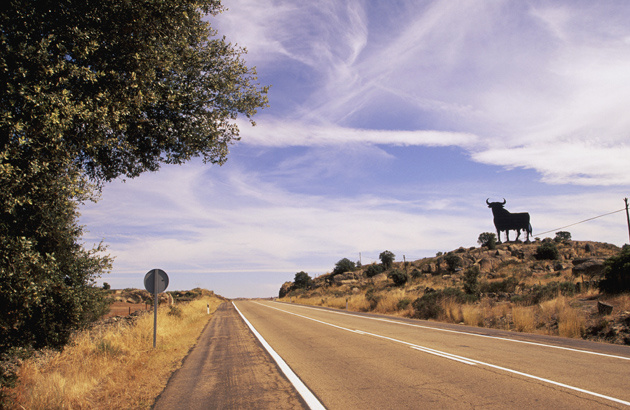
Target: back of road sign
point(153, 286)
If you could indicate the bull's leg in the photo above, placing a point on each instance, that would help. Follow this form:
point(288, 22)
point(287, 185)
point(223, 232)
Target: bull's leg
point(507, 235)
point(498, 236)
point(518, 234)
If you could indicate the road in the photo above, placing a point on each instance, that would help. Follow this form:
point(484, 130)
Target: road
point(351, 361)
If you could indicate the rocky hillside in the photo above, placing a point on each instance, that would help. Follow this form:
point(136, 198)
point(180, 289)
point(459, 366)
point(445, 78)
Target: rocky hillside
point(512, 275)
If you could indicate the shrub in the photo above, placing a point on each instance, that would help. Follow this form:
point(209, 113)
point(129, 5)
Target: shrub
point(471, 281)
point(429, 305)
point(617, 273)
point(403, 303)
point(387, 258)
point(487, 239)
point(562, 236)
point(453, 261)
point(548, 250)
point(416, 273)
point(399, 277)
point(174, 310)
point(373, 270)
point(302, 280)
point(342, 266)
point(507, 285)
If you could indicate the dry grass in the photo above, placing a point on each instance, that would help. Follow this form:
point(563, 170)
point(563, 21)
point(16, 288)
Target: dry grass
point(524, 318)
point(114, 367)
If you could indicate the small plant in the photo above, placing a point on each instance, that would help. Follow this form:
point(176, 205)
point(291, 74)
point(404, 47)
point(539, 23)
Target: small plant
point(373, 270)
point(399, 277)
point(562, 236)
point(342, 266)
point(175, 310)
point(453, 261)
point(548, 251)
point(471, 281)
point(403, 303)
point(487, 239)
point(302, 280)
point(387, 258)
point(617, 273)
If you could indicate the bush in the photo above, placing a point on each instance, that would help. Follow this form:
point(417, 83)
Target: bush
point(617, 273)
point(403, 303)
point(343, 266)
point(302, 280)
point(453, 261)
point(547, 250)
point(562, 236)
point(507, 285)
point(387, 258)
point(471, 281)
point(374, 269)
point(399, 277)
point(174, 310)
point(487, 239)
point(429, 305)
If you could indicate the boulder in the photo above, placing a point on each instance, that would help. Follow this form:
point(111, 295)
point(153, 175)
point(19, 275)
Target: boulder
point(589, 267)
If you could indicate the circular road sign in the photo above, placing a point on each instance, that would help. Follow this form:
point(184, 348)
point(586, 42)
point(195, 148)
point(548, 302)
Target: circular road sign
point(150, 281)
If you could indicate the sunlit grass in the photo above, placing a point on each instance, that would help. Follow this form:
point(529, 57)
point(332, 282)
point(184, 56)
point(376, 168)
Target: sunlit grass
point(116, 366)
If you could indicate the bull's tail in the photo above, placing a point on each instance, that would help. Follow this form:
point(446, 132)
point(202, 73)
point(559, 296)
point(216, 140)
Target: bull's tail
point(530, 230)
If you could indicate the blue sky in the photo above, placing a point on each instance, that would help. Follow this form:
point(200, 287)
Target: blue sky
point(389, 125)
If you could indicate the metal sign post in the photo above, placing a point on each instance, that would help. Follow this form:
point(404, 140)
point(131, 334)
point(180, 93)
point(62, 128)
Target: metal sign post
point(155, 281)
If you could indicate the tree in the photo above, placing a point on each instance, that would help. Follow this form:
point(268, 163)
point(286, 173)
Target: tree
point(617, 273)
point(302, 280)
point(90, 91)
point(487, 239)
point(387, 258)
point(562, 236)
point(453, 261)
point(342, 266)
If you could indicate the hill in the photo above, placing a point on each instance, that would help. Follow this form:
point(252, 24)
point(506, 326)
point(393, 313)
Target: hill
point(544, 287)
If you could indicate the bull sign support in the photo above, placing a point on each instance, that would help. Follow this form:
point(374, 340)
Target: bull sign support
point(506, 221)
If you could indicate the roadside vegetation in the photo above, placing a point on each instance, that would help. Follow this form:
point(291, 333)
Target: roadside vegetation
point(112, 365)
point(554, 287)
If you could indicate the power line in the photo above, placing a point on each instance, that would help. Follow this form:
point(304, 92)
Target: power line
point(586, 220)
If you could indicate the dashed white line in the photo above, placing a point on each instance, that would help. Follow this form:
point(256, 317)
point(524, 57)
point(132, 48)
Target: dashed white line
point(462, 359)
point(470, 334)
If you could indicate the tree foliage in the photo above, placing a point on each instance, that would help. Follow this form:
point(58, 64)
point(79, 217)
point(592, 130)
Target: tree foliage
point(617, 273)
point(387, 258)
point(302, 280)
point(487, 239)
point(90, 91)
point(343, 265)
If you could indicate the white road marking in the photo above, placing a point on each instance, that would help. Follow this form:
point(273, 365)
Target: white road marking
point(306, 394)
point(460, 358)
point(468, 333)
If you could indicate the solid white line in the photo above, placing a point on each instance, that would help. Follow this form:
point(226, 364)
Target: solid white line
point(468, 333)
point(306, 394)
point(459, 358)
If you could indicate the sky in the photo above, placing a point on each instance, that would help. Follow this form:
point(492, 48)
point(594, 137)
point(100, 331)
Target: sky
point(389, 125)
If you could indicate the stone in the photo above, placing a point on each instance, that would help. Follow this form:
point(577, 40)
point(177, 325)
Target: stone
point(604, 308)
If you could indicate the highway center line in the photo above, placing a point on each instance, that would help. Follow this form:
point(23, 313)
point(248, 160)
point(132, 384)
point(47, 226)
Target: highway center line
point(306, 394)
point(458, 358)
point(467, 333)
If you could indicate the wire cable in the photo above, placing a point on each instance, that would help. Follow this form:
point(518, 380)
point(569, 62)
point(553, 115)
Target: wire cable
point(586, 220)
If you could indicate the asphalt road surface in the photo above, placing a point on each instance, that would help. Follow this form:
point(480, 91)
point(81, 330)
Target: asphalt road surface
point(360, 361)
point(228, 369)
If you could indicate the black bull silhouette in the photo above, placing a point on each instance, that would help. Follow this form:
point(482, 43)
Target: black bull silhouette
point(506, 221)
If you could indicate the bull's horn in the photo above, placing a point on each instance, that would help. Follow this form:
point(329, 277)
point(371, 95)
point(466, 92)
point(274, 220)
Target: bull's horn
point(504, 201)
point(488, 201)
